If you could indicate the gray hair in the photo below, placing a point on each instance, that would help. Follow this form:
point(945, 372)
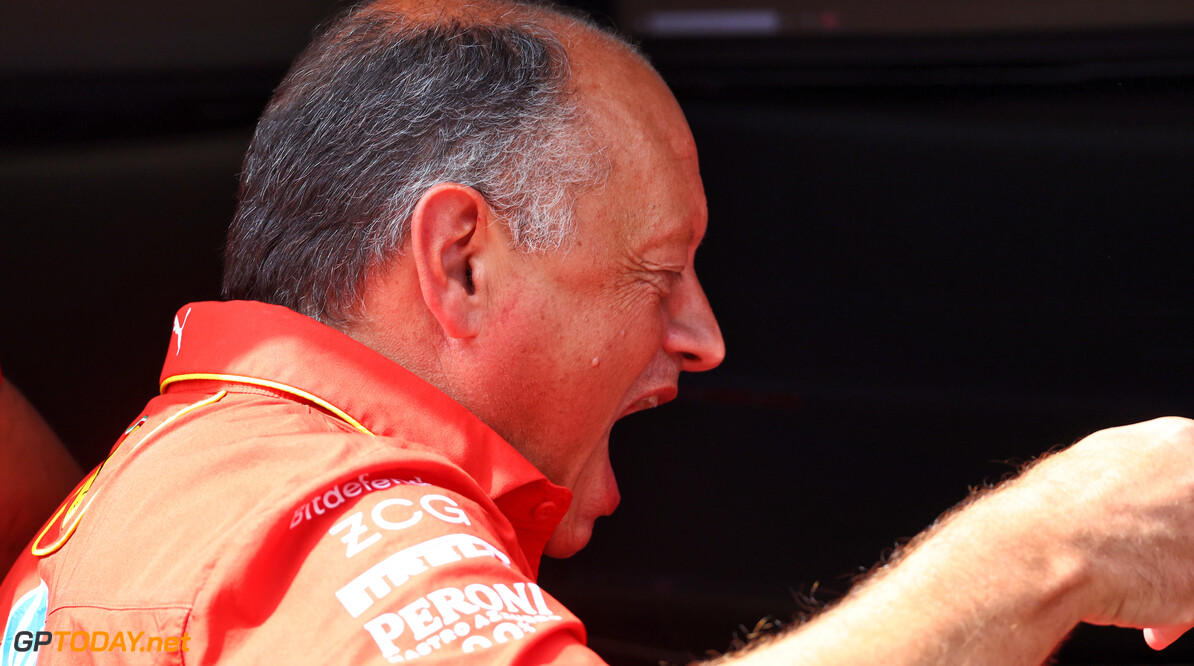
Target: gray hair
point(377, 110)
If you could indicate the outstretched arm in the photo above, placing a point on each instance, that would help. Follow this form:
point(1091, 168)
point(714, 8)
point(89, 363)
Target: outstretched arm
point(1101, 533)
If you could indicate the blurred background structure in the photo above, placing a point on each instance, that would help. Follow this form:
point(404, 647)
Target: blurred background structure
point(944, 237)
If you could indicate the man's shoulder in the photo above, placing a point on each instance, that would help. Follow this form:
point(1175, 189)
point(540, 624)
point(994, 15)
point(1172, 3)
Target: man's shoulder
point(341, 548)
point(188, 493)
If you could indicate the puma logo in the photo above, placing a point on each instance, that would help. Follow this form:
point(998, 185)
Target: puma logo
point(178, 329)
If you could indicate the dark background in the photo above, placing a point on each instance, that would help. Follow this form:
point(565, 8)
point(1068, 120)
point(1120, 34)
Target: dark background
point(941, 242)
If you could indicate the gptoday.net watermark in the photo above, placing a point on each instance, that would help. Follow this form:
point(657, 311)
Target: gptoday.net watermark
point(97, 641)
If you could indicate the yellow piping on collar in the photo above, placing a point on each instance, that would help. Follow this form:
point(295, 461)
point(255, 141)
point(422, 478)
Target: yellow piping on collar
point(278, 386)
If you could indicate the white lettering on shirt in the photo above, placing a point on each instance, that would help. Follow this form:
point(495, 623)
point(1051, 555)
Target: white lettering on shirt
point(393, 515)
point(446, 615)
point(379, 580)
point(356, 529)
point(340, 493)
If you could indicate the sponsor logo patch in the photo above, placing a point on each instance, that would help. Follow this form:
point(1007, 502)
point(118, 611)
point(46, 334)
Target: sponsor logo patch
point(394, 514)
point(479, 616)
point(340, 493)
point(393, 572)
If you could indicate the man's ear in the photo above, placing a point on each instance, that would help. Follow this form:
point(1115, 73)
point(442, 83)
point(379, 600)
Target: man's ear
point(452, 240)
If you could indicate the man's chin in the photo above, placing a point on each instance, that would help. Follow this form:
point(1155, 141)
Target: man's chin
point(568, 540)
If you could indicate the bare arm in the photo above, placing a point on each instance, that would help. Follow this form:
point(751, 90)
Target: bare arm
point(36, 472)
point(1101, 533)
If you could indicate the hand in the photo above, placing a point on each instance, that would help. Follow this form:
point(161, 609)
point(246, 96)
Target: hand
point(1123, 501)
point(1102, 532)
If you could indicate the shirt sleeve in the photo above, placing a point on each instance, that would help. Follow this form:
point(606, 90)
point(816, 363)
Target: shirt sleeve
point(384, 568)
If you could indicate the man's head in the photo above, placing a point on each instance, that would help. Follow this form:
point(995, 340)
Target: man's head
point(391, 99)
point(551, 346)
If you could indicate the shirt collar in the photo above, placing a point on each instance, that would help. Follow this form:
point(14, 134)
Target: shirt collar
point(214, 340)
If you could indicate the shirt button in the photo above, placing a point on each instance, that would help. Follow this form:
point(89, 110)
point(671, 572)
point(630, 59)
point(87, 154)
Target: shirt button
point(546, 511)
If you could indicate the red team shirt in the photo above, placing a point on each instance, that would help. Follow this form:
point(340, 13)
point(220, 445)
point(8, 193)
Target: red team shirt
point(295, 497)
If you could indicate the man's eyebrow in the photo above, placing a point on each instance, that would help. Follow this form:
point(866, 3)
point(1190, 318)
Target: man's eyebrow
point(703, 234)
point(681, 237)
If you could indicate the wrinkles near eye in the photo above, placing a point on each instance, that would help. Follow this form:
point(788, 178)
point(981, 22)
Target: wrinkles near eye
point(666, 279)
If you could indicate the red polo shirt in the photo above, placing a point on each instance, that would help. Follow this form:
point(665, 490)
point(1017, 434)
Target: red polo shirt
point(294, 497)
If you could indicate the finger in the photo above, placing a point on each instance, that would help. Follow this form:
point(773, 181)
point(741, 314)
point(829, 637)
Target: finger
point(1159, 638)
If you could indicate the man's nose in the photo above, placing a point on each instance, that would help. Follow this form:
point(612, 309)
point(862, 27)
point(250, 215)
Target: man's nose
point(693, 333)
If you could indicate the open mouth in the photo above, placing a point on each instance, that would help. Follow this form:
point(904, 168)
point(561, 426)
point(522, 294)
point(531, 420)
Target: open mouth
point(653, 399)
point(645, 403)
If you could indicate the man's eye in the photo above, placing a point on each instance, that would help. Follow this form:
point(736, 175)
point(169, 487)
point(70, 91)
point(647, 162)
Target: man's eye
point(668, 279)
